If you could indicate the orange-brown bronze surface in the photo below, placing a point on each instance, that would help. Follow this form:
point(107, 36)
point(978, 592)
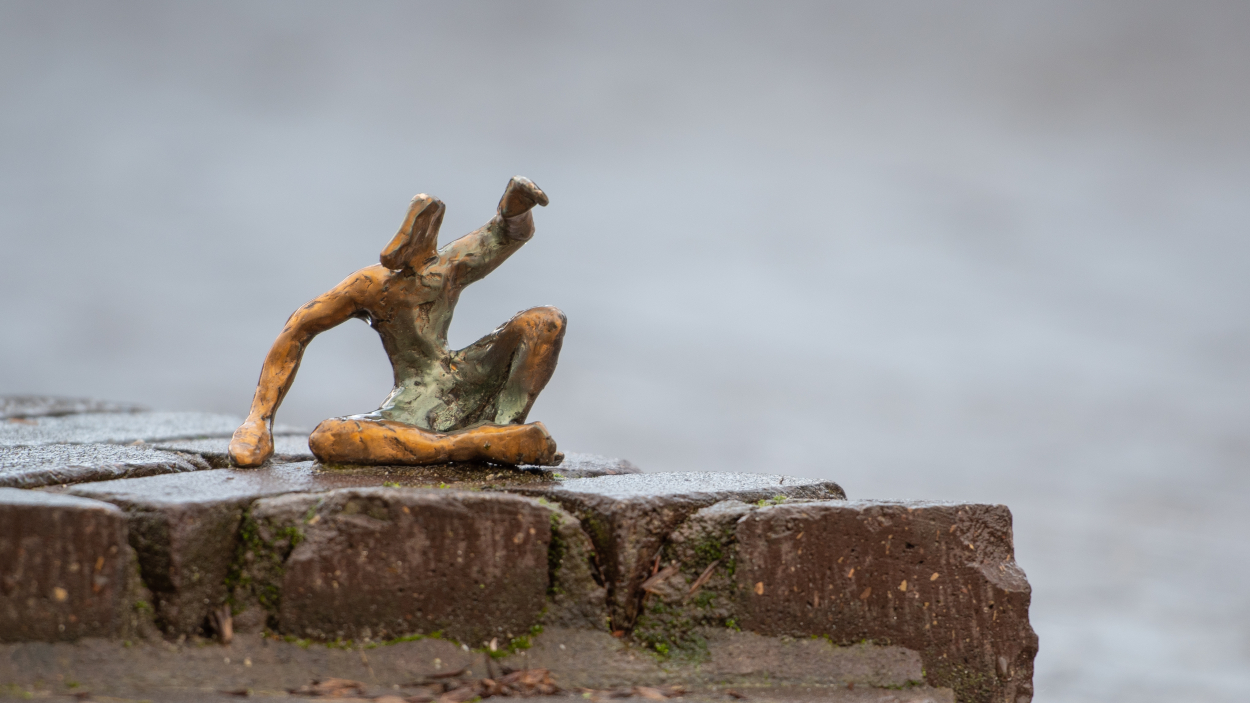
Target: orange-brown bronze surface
point(465, 405)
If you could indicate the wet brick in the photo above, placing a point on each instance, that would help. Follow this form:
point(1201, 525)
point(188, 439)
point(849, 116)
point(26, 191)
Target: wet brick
point(628, 517)
point(383, 562)
point(64, 566)
point(937, 578)
point(52, 464)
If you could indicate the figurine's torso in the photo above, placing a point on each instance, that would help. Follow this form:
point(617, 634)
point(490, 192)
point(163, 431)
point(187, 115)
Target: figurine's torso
point(435, 387)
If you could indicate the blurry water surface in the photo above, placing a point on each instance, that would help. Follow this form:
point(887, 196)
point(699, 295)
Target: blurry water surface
point(985, 252)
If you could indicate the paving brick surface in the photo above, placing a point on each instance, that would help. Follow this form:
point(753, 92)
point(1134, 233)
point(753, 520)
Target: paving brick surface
point(27, 406)
point(116, 428)
point(121, 428)
point(64, 567)
point(51, 464)
point(629, 517)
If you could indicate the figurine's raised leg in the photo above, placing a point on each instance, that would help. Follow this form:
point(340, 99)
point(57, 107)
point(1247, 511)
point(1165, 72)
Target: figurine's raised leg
point(359, 440)
point(523, 351)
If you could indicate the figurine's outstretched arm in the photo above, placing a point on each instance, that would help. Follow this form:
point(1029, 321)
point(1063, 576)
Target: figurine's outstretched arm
point(253, 442)
point(481, 251)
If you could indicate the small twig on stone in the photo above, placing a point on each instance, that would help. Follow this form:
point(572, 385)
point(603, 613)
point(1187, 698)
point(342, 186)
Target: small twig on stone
point(658, 693)
point(664, 574)
point(223, 623)
point(460, 695)
point(490, 664)
point(330, 688)
point(430, 678)
point(703, 578)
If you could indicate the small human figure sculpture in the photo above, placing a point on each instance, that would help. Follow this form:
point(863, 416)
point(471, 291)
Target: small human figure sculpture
point(466, 405)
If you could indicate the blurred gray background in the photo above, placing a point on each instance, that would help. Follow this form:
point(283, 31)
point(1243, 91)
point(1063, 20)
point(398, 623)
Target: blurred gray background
point(985, 252)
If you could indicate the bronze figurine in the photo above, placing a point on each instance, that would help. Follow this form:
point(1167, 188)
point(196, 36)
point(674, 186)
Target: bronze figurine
point(466, 405)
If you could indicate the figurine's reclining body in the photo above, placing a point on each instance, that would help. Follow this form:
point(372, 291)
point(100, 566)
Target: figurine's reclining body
point(447, 405)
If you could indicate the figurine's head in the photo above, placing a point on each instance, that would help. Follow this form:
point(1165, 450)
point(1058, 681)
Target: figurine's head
point(417, 239)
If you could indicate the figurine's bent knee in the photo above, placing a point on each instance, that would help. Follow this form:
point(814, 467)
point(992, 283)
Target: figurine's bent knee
point(545, 321)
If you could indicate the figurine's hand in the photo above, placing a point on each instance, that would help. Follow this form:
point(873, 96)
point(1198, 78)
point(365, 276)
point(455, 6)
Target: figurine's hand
point(252, 443)
point(520, 197)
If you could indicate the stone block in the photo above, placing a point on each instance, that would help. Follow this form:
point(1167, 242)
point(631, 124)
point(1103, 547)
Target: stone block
point(64, 568)
point(27, 406)
point(121, 428)
point(377, 563)
point(52, 464)
point(628, 517)
point(576, 593)
point(184, 528)
point(937, 578)
point(694, 592)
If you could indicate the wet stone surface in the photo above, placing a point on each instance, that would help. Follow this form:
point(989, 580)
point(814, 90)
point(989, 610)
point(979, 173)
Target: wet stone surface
point(64, 568)
point(51, 464)
point(578, 465)
point(217, 485)
point(28, 406)
point(120, 428)
point(630, 516)
point(704, 487)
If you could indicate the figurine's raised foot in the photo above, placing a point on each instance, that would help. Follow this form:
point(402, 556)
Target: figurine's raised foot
point(363, 440)
point(520, 197)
